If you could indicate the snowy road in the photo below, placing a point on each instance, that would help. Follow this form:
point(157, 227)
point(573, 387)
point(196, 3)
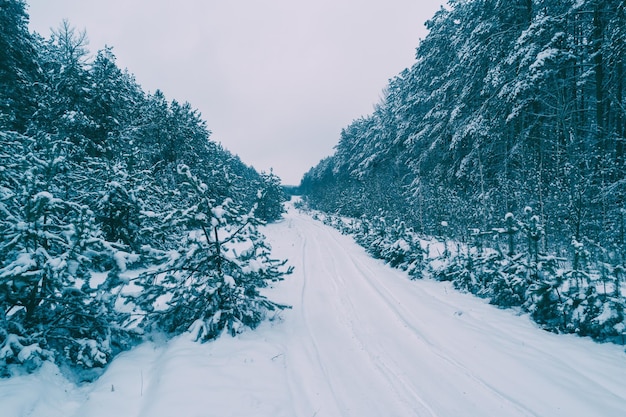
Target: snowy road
point(377, 344)
point(361, 340)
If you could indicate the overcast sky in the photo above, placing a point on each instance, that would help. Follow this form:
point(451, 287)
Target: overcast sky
point(276, 80)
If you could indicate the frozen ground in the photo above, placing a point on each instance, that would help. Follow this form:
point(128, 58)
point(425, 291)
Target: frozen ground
point(361, 340)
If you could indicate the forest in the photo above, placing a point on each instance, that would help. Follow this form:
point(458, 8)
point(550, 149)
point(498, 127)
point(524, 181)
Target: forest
point(496, 161)
point(506, 136)
point(119, 217)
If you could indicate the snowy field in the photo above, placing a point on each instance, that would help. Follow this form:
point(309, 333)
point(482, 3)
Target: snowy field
point(361, 340)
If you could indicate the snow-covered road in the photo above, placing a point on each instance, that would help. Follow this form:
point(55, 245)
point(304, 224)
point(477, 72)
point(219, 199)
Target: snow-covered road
point(361, 340)
point(377, 344)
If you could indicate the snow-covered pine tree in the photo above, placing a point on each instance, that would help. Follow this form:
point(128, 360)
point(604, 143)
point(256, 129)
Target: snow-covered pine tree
point(210, 282)
point(118, 208)
point(52, 306)
point(270, 198)
point(19, 69)
point(510, 273)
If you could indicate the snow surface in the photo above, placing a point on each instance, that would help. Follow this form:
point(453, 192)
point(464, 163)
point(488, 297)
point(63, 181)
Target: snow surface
point(361, 340)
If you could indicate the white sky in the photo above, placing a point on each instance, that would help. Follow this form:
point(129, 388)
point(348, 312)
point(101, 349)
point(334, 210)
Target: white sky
point(276, 80)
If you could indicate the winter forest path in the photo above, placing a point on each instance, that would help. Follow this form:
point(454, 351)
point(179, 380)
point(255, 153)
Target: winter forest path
point(361, 340)
point(366, 341)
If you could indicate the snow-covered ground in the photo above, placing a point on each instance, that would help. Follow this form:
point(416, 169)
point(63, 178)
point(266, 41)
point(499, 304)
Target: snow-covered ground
point(361, 340)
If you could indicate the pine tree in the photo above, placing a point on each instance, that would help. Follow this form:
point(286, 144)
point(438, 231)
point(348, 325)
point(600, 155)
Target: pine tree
point(19, 67)
point(210, 282)
point(53, 306)
point(270, 198)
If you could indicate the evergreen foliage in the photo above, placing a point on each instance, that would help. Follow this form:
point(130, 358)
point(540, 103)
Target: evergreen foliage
point(19, 66)
point(509, 104)
point(51, 249)
point(211, 280)
point(270, 199)
point(95, 188)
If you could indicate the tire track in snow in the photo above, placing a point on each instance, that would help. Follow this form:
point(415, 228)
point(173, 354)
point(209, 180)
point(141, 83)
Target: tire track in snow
point(438, 351)
point(407, 399)
point(556, 356)
point(401, 313)
point(508, 341)
point(310, 346)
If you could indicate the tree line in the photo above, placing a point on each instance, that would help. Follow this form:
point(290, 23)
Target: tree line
point(119, 217)
point(509, 106)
